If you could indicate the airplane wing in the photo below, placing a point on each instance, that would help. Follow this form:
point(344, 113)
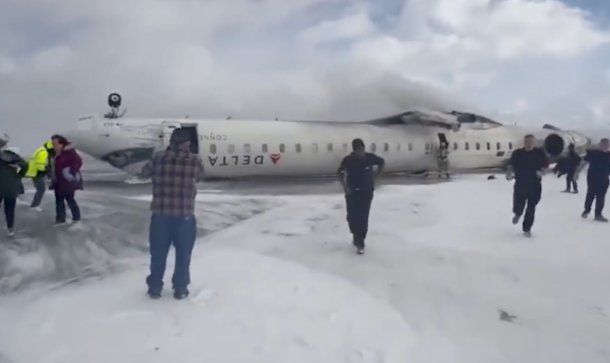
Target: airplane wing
point(423, 118)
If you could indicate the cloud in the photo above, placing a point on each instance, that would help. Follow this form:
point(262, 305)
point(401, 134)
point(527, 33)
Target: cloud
point(301, 59)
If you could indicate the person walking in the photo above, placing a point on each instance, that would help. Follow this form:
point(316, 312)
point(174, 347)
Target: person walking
point(443, 160)
point(67, 179)
point(174, 173)
point(357, 176)
point(597, 179)
point(527, 166)
point(12, 169)
point(570, 166)
point(39, 168)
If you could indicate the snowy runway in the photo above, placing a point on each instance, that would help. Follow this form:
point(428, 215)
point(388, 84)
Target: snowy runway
point(446, 278)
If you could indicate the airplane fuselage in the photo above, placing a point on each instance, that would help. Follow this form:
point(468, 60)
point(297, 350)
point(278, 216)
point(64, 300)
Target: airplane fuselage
point(242, 148)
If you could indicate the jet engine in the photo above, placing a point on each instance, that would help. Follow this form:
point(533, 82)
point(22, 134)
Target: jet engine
point(556, 141)
point(555, 145)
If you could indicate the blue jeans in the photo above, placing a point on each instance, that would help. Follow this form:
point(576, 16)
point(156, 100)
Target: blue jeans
point(165, 231)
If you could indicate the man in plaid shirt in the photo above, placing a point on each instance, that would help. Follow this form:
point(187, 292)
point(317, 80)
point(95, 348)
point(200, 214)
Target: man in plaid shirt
point(174, 173)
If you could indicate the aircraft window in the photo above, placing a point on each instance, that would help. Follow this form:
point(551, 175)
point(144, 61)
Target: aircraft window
point(373, 147)
point(386, 147)
point(467, 146)
point(478, 146)
point(455, 146)
point(265, 148)
point(488, 146)
point(410, 147)
point(398, 146)
point(427, 146)
point(345, 147)
point(510, 146)
point(282, 148)
point(329, 147)
point(247, 149)
point(298, 148)
point(212, 148)
point(314, 148)
point(231, 148)
point(498, 146)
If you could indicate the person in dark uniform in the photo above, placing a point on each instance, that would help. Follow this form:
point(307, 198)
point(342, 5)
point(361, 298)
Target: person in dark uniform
point(597, 179)
point(570, 165)
point(528, 165)
point(357, 176)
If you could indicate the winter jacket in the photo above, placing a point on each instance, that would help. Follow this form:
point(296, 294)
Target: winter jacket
point(359, 171)
point(39, 162)
point(12, 169)
point(67, 177)
point(599, 165)
point(528, 166)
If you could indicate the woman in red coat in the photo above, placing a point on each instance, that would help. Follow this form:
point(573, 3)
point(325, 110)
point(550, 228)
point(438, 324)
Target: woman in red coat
point(67, 179)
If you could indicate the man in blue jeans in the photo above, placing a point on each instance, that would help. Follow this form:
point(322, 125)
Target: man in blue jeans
point(174, 173)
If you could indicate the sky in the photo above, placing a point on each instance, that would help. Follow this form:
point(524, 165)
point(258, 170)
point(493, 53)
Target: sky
point(518, 61)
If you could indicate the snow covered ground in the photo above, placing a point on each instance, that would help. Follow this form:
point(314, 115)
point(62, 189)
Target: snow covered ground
point(446, 278)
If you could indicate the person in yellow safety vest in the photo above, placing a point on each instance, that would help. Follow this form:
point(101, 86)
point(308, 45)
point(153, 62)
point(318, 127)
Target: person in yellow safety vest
point(38, 168)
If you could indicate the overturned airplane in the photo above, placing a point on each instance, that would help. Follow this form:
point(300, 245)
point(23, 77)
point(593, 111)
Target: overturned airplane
point(409, 142)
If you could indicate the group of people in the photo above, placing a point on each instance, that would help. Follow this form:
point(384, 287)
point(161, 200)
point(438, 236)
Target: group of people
point(176, 171)
point(56, 160)
point(528, 164)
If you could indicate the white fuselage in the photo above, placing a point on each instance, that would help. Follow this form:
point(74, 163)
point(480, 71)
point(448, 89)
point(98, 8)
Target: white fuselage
point(238, 148)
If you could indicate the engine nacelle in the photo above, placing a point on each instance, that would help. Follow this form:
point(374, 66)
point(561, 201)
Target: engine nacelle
point(555, 144)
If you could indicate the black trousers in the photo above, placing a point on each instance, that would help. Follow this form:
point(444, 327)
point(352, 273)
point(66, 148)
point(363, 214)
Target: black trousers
point(60, 207)
point(596, 190)
point(40, 186)
point(358, 209)
point(526, 197)
point(571, 182)
point(9, 211)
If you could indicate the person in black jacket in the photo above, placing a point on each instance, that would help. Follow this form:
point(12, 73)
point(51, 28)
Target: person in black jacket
point(12, 169)
point(597, 179)
point(357, 176)
point(528, 165)
point(570, 166)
